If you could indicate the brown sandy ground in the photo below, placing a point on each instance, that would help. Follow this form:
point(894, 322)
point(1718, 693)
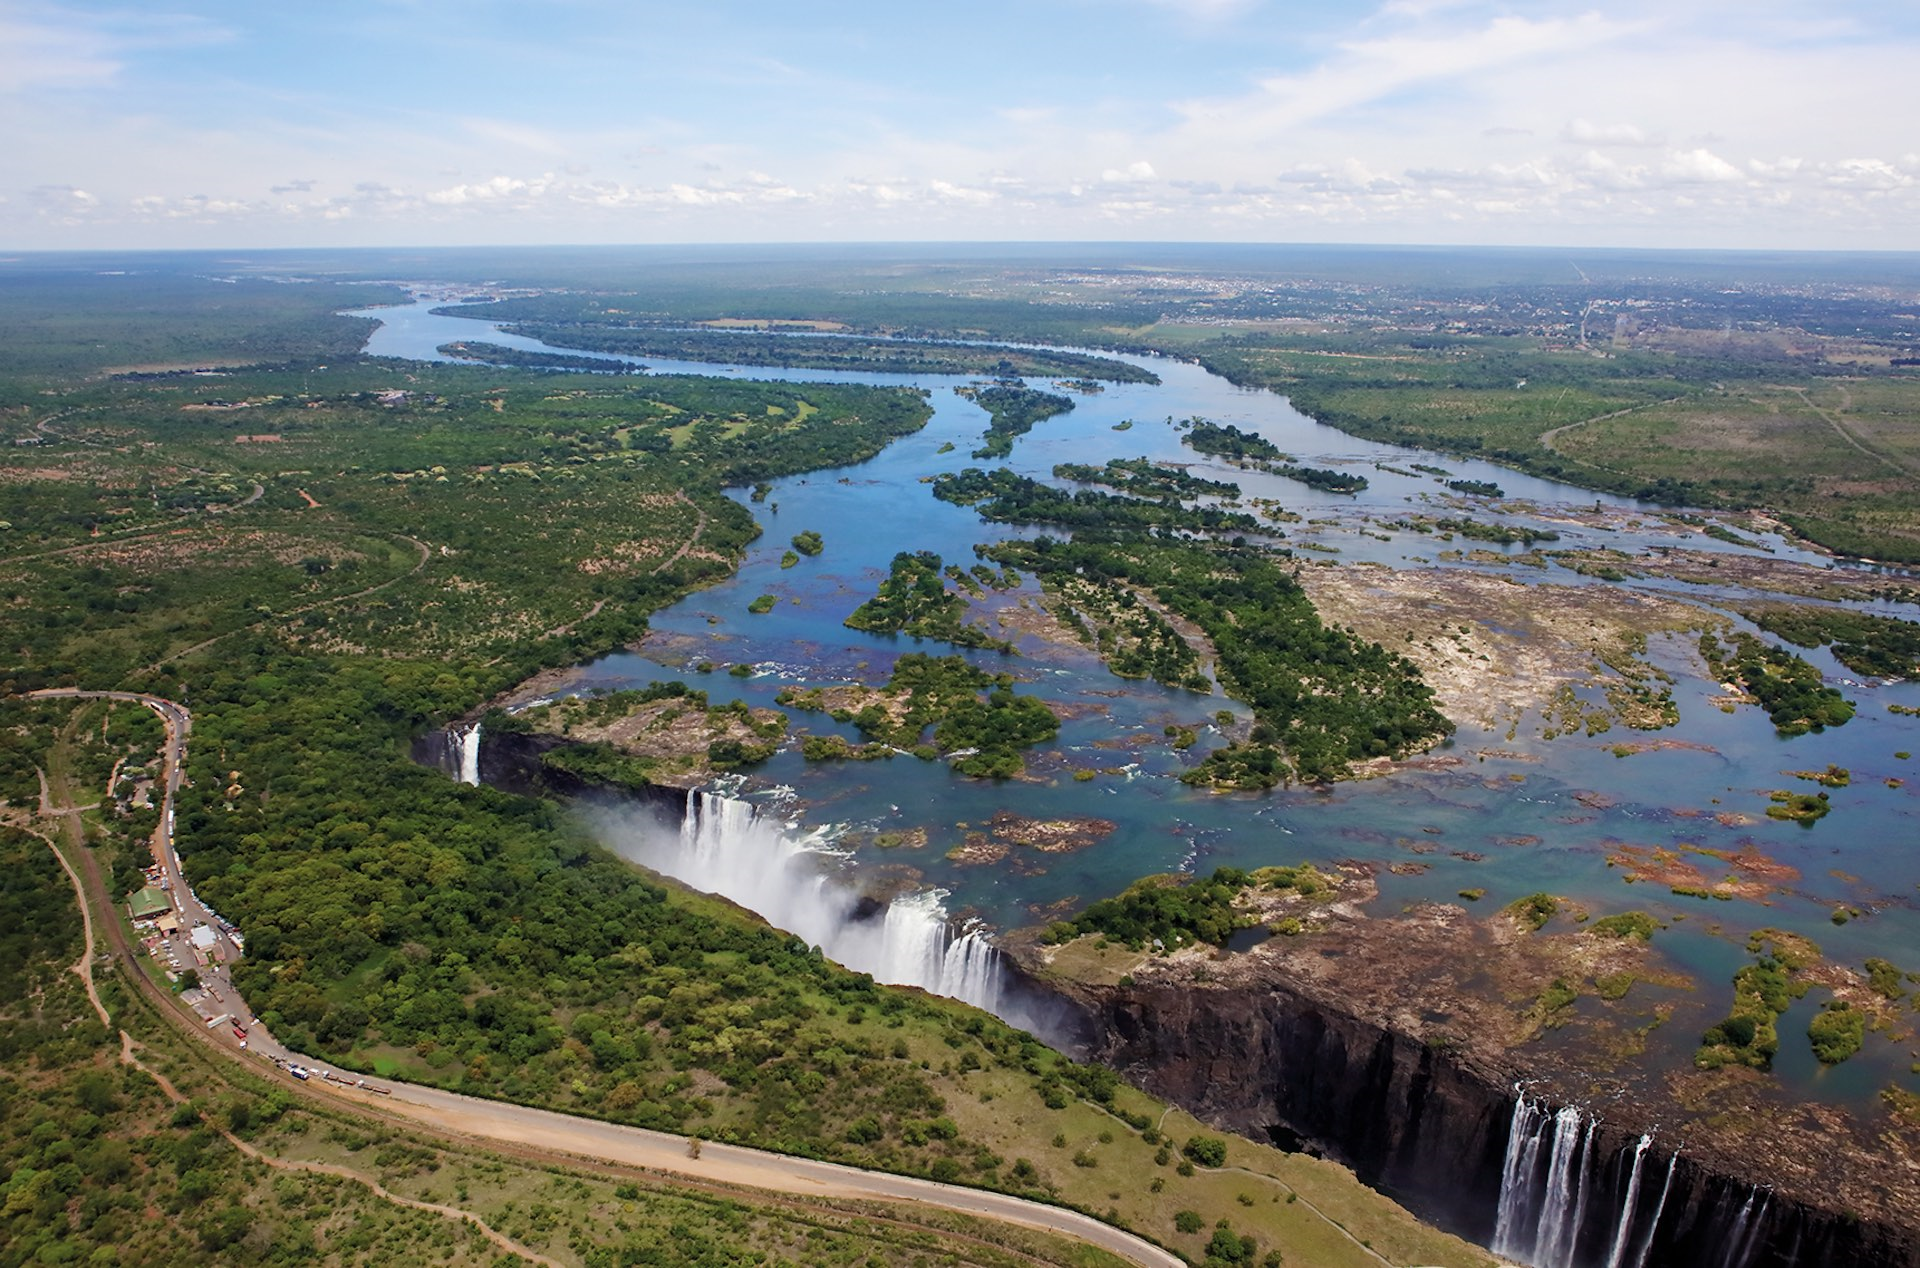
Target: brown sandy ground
point(1495, 649)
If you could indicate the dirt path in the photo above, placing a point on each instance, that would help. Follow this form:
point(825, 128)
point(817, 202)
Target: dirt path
point(82, 967)
point(699, 527)
point(560, 631)
point(128, 1056)
point(1832, 419)
point(259, 491)
point(425, 554)
point(1548, 437)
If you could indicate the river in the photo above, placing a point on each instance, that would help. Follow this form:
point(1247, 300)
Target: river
point(1517, 814)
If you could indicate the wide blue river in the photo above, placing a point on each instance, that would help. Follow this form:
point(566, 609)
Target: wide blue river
point(1528, 815)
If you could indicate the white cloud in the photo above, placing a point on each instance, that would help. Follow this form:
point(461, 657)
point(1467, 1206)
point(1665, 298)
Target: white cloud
point(1865, 173)
point(1136, 171)
point(1583, 132)
point(494, 190)
point(1700, 166)
point(1366, 71)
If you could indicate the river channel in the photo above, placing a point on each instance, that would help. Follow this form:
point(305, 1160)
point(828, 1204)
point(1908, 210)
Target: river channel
point(1515, 814)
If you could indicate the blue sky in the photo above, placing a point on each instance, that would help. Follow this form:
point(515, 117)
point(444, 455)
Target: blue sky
point(386, 122)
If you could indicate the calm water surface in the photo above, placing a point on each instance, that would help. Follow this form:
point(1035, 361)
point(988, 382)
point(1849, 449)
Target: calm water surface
point(1462, 823)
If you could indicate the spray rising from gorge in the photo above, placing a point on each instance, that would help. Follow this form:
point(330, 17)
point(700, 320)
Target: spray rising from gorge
point(722, 846)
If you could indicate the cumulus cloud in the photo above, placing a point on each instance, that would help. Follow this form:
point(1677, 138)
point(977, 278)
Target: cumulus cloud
point(494, 190)
point(1701, 166)
point(1141, 170)
point(1864, 173)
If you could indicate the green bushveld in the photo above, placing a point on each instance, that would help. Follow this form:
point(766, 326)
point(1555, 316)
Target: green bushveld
point(1322, 697)
point(1012, 412)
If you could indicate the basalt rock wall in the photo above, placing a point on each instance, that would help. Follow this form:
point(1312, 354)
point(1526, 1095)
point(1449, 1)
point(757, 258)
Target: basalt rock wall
point(1430, 1126)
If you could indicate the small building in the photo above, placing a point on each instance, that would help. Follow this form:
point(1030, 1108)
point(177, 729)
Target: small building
point(148, 903)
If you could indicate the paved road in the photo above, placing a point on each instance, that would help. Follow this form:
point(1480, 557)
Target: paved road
point(732, 1165)
point(470, 1117)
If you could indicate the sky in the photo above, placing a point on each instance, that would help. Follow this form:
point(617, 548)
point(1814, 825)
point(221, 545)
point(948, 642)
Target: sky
point(1629, 123)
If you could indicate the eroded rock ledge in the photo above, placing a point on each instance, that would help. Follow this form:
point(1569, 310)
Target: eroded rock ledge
point(1397, 1046)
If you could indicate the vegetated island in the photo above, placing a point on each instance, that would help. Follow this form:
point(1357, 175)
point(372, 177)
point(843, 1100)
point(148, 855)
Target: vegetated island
point(530, 359)
point(832, 352)
point(1323, 699)
point(1012, 412)
point(1246, 449)
point(914, 599)
point(976, 717)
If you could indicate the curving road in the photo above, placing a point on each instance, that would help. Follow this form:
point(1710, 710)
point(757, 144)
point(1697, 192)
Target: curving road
point(450, 1113)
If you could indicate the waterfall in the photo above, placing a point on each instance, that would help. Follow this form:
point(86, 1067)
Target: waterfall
point(1516, 1179)
point(1560, 1220)
point(1546, 1183)
point(469, 742)
point(1739, 1243)
point(724, 848)
point(1616, 1254)
point(1653, 1225)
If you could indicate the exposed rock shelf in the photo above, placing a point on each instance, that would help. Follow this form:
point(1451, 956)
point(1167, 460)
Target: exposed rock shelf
point(1388, 1045)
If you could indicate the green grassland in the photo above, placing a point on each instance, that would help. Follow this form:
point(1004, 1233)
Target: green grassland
point(1838, 458)
point(479, 514)
point(60, 318)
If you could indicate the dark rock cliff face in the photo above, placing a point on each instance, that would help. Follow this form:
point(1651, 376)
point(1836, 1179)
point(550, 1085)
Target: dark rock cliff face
point(510, 761)
point(1430, 1126)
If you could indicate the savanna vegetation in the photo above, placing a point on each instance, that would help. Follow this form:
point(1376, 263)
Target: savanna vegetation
point(1012, 412)
point(1001, 494)
point(1322, 697)
point(914, 599)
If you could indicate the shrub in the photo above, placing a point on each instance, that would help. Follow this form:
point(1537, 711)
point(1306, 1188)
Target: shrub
point(1208, 1151)
point(1837, 1033)
point(1535, 910)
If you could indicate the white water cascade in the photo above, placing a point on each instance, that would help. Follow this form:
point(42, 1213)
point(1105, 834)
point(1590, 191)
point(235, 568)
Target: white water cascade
point(1546, 1182)
point(1653, 1225)
point(724, 848)
point(469, 742)
point(1737, 1247)
point(1616, 1254)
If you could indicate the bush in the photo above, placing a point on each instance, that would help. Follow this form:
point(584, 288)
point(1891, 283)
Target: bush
point(1207, 1151)
point(1188, 1221)
point(1837, 1033)
point(1535, 910)
point(1628, 924)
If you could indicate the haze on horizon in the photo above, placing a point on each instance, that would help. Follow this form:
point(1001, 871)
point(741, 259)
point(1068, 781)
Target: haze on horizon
point(1630, 123)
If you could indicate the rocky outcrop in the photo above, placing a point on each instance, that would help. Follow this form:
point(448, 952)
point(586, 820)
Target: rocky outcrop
point(1429, 1123)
